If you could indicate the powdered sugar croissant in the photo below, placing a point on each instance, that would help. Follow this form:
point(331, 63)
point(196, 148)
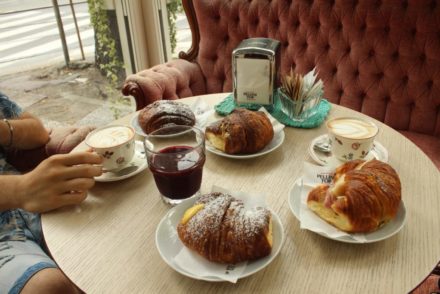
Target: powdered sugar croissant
point(362, 197)
point(221, 229)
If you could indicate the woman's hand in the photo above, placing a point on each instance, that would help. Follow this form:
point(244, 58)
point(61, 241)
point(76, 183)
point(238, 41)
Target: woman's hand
point(58, 181)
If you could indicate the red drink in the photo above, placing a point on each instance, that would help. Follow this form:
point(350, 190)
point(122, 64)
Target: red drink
point(178, 171)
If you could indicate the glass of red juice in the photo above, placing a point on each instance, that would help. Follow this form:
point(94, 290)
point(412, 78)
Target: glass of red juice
point(176, 155)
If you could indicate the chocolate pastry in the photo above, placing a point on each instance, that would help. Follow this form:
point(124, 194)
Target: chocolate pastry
point(241, 132)
point(221, 229)
point(164, 113)
point(363, 196)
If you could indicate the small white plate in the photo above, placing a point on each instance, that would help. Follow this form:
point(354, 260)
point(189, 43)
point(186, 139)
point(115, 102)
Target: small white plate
point(135, 124)
point(388, 230)
point(136, 165)
point(327, 159)
point(276, 142)
point(169, 244)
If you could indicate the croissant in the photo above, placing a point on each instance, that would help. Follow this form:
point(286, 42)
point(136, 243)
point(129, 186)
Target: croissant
point(164, 113)
point(362, 197)
point(241, 132)
point(221, 229)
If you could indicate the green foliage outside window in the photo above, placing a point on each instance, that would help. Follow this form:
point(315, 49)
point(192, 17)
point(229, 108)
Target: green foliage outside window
point(174, 7)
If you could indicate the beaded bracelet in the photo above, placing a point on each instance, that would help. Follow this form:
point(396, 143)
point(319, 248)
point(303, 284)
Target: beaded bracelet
point(11, 132)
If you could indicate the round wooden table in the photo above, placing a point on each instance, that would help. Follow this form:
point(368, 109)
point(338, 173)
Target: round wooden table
point(107, 244)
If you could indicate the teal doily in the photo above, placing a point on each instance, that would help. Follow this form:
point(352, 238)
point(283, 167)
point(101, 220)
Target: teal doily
point(228, 104)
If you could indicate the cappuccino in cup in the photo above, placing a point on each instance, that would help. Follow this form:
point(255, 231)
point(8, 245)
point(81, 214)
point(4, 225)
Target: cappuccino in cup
point(114, 143)
point(351, 138)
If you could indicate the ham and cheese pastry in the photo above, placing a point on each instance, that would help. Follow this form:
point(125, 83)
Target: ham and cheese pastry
point(363, 196)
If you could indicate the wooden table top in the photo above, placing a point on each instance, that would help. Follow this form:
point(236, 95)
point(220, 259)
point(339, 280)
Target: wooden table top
point(107, 244)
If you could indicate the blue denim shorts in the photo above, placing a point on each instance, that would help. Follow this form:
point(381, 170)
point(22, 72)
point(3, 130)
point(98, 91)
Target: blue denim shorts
point(21, 251)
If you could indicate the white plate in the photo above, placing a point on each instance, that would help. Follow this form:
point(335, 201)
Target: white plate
point(169, 244)
point(136, 165)
point(135, 124)
point(379, 152)
point(388, 230)
point(276, 142)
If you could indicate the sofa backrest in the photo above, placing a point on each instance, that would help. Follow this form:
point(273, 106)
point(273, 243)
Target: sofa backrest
point(381, 58)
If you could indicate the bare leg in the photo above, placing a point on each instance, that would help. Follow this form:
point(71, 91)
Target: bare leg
point(50, 280)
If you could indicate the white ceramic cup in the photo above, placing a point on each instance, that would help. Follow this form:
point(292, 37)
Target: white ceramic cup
point(115, 143)
point(351, 138)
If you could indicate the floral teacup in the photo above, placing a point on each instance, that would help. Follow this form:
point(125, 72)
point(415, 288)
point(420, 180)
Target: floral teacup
point(114, 143)
point(351, 138)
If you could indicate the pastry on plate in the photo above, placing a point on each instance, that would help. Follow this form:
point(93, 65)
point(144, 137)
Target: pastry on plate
point(221, 229)
point(363, 196)
point(163, 113)
point(241, 132)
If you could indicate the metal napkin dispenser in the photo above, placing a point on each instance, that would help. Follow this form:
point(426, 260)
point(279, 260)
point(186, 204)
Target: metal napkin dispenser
point(255, 66)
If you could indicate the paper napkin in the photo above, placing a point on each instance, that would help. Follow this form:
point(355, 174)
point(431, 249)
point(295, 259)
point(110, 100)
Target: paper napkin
point(314, 175)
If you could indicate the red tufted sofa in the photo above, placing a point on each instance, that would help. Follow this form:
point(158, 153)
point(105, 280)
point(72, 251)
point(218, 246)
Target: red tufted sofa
point(381, 58)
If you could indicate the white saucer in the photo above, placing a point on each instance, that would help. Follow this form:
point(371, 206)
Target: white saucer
point(276, 142)
point(169, 244)
point(378, 152)
point(388, 230)
point(137, 164)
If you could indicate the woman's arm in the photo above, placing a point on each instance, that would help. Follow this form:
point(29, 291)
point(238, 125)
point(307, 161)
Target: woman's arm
point(26, 130)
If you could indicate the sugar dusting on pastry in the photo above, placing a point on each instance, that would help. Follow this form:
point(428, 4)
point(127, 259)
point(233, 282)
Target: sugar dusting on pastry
point(226, 231)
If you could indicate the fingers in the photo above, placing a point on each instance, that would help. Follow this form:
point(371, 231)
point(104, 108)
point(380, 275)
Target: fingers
point(76, 158)
point(73, 197)
point(78, 184)
point(81, 171)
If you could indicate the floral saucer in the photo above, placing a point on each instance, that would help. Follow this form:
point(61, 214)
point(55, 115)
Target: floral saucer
point(378, 152)
point(136, 165)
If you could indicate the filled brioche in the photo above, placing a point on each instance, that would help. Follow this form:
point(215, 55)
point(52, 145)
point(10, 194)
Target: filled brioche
point(164, 113)
point(363, 196)
point(221, 229)
point(241, 132)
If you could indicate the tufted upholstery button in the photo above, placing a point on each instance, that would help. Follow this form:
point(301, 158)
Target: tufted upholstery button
point(304, 46)
point(429, 84)
point(386, 29)
point(327, 47)
point(395, 55)
point(371, 53)
point(286, 44)
point(405, 4)
point(405, 80)
point(433, 4)
point(422, 57)
point(413, 32)
point(363, 27)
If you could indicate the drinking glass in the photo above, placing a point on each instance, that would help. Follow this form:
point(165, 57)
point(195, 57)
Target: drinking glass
point(176, 155)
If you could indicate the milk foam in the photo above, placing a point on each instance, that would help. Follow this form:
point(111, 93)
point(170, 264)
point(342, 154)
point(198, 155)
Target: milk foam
point(109, 137)
point(352, 128)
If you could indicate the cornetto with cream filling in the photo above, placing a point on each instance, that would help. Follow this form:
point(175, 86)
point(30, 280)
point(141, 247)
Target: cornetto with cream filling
point(221, 229)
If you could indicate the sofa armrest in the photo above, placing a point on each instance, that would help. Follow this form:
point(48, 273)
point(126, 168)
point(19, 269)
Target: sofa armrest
point(62, 140)
point(175, 79)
